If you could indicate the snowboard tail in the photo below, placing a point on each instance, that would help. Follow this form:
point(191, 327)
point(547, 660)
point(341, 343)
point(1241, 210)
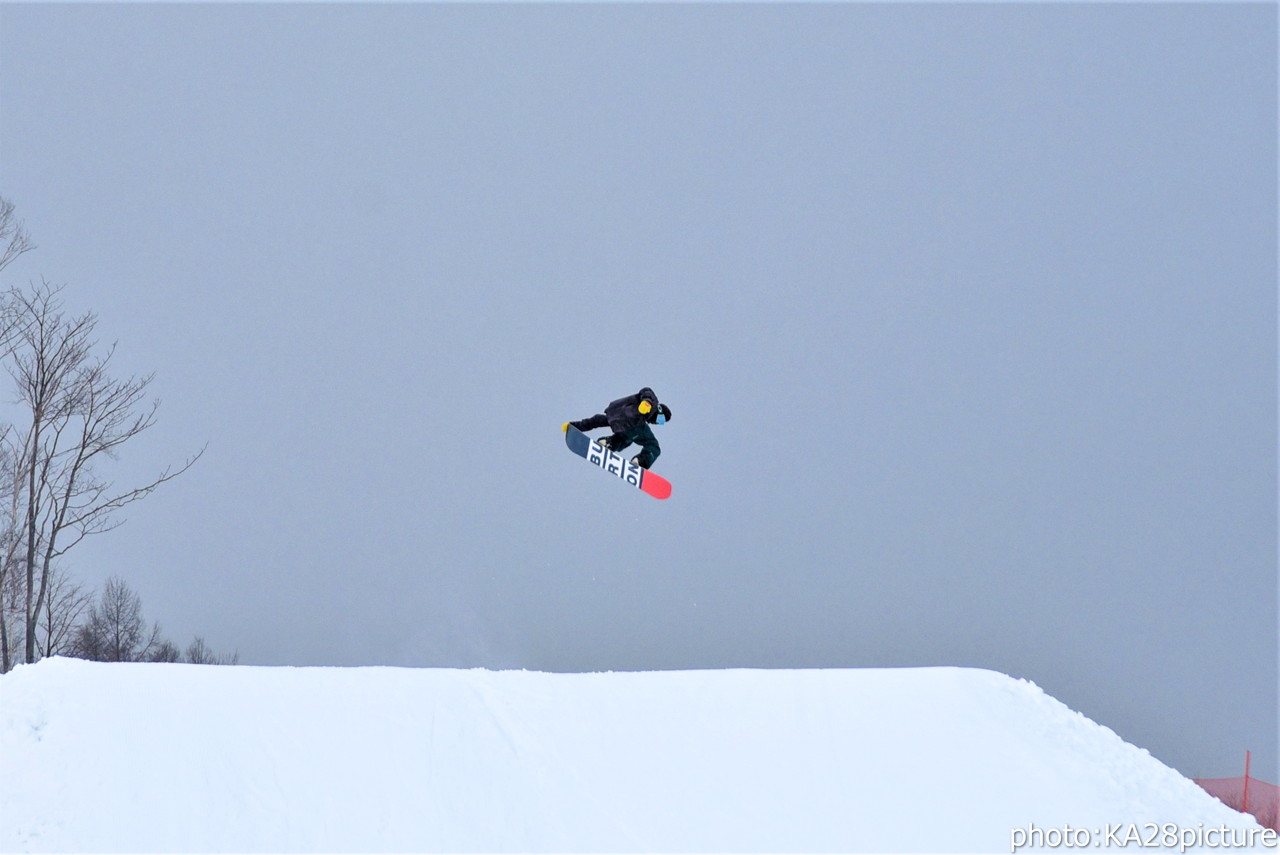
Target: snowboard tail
point(615, 464)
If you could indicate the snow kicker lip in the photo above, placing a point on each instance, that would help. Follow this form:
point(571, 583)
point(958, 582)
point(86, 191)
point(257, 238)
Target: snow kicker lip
point(615, 464)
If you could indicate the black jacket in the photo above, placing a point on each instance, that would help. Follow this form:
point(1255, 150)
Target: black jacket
point(624, 414)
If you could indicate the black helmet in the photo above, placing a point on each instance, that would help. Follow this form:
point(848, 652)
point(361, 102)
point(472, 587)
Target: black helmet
point(664, 414)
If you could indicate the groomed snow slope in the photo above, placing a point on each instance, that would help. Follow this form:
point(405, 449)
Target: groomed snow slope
point(185, 758)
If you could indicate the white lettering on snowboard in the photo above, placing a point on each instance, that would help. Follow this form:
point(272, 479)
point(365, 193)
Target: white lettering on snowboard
point(614, 463)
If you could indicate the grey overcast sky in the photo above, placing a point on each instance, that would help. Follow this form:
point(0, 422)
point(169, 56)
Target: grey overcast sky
point(966, 315)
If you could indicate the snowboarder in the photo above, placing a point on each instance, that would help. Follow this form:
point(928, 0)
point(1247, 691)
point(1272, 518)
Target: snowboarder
point(629, 419)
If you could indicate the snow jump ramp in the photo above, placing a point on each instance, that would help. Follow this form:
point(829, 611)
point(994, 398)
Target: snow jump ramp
point(184, 758)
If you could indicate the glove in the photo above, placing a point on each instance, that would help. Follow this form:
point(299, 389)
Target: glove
point(565, 427)
point(645, 408)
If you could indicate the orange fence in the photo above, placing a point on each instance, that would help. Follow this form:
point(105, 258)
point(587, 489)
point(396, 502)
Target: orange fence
point(1247, 795)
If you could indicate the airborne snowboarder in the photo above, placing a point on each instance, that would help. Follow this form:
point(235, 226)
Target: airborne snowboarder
point(629, 419)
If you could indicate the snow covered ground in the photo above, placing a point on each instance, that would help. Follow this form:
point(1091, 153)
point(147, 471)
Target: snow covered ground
point(185, 758)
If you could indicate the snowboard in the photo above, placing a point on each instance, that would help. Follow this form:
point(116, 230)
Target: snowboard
point(615, 464)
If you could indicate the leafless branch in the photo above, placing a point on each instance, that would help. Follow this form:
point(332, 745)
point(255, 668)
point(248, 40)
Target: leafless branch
point(14, 240)
point(77, 414)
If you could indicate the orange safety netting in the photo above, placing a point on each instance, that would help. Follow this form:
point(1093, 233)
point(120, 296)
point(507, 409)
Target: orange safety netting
point(1260, 799)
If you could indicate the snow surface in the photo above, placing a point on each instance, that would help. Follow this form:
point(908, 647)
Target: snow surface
point(185, 758)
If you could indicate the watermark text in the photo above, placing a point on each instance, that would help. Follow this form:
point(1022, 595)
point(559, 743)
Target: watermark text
point(1168, 836)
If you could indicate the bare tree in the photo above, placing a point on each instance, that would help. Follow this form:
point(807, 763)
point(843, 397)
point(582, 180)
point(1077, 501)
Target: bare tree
point(77, 414)
point(115, 631)
point(165, 651)
point(199, 653)
point(66, 603)
point(52, 494)
point(14, 240)
point(11, 597)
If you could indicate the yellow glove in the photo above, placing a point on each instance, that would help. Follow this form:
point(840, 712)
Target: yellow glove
point(565, 427)
point(645, 408)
